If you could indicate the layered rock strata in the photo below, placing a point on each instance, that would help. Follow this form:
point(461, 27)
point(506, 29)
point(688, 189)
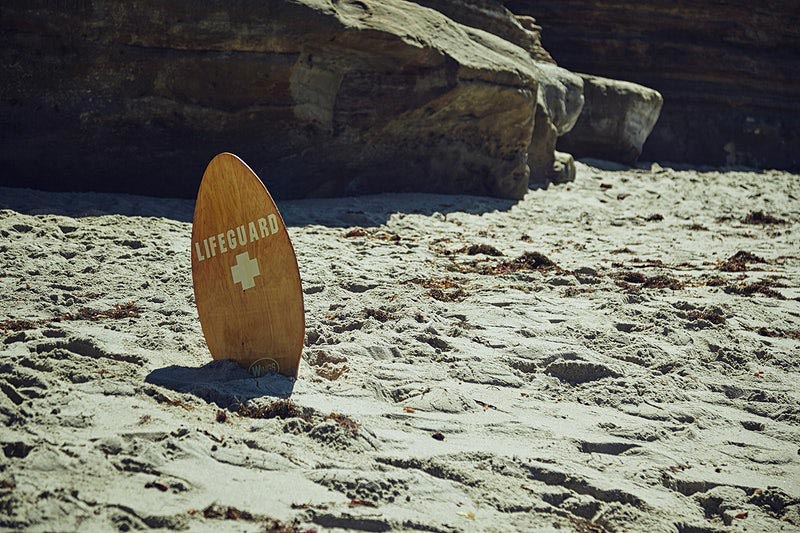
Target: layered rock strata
point(320, 98)
point(616, 119)
point(729, 72)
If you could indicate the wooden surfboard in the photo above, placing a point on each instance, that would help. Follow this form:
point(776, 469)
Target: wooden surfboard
point(244, 271)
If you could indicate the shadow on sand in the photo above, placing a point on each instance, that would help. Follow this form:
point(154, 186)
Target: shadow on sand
point(221, 382)
point(346, 211)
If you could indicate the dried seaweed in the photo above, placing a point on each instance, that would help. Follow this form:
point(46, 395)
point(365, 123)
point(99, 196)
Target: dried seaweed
point(378, 314)
point(19, 325)
point(527, 261)
point(282, 409)
point(759, 287)
point(761, 218)
point(780, 333)
point(663, 282)
point(229, 513)
point(710, 316)
point(635, 280)
point(372, 234)
point(632, 277)
point(437, 283)
point(738, 261)
point(286, 409)
point(443, 289)
point(356, 232)
point(456, 295)
point(349, 426)
point(126, 310)
point(714, 281)
point(485, 249)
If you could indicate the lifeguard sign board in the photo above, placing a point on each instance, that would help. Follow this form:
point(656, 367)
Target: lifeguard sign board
point(244, 270)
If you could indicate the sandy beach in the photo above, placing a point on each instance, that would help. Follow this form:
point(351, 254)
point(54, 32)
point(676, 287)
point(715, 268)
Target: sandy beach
point(621, 353)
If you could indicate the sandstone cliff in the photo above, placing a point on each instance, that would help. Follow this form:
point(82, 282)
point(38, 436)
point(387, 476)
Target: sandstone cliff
point(320, 98)
point(729, 71)
point(616, 118)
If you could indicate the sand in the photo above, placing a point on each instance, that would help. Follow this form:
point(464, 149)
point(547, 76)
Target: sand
point(635, 381)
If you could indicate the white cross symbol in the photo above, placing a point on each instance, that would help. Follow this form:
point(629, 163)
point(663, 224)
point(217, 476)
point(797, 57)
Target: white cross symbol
point(245, 270)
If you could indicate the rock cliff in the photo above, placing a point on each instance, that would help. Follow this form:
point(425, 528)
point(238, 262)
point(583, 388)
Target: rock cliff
point(616, 118)
point(320, 98)
point(729, 71)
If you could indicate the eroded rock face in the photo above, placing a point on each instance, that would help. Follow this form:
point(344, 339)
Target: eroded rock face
point(616, 119)
point(493, 17)
point(729, 72)
point(320, 98)
point(560, 102)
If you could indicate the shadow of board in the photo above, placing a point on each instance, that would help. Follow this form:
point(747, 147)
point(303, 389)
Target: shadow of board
point(223, 383)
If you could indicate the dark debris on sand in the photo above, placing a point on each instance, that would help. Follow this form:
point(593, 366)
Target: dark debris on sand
point(378, 314)
point(636, 280)
point(527, 261)
point(456, 295)
point(119, 311)
point(278, 409)
point(356, 232)
point(485, 249)
point(444, 289)
point(125, 310)
point(270, 525)
point(18, 325)
point(714, 281)
point(763, 286)
point(372, 234)
point(780, 333)
point(228, 513)
point(286, 409)
point(347, 424)
point(762, 218)
point(738, 261)
point(711, 316)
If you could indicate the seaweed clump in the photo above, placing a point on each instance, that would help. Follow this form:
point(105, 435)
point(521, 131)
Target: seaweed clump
point(119, 311)
point(637, 280)
point(283, 409)
point(443, 289)
point(527, 261)
point(485, 249)
point(763, 286)
point(738, 262)
point(761, 218)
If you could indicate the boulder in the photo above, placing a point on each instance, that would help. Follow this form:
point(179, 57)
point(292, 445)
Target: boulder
point(563, 168)
point(559, 104)
point(616, 119)
point(320, 98)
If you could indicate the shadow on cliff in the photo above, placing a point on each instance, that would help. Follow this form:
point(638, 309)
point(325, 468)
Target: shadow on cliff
point(223, 383)
point(371, 210)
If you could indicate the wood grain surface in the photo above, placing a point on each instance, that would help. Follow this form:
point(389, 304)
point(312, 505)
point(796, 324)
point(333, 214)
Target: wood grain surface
point(244, 269)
